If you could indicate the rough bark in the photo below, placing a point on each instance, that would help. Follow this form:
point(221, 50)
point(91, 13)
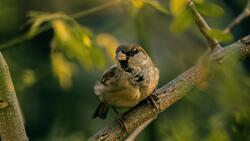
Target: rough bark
point(174, 90)
point(11, 122)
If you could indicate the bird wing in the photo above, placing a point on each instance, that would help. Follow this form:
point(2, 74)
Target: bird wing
point(108, 75)
point(107, 81)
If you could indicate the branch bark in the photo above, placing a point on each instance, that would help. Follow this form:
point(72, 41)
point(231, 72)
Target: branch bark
point(173, 91)
point(11, 122)
point(138, 130)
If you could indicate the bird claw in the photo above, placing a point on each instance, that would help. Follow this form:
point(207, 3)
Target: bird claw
point(152, 99)
point(122, 123)
point(120, 119)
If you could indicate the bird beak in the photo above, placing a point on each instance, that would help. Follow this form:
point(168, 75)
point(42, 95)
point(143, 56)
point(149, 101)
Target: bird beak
point(121, 56)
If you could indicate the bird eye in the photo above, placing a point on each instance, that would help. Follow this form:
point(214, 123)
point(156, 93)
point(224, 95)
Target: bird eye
point(133, 51)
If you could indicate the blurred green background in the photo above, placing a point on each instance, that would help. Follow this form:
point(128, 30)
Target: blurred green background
point(54, 71)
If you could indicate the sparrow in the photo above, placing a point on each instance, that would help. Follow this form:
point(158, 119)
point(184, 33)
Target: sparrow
point(133, 78)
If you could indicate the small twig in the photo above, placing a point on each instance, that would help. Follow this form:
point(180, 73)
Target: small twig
point(138, 130)
point(203, 26)
point(23, 38)
point(245, 13)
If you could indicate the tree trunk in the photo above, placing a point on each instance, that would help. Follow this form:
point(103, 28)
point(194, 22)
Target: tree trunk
point(11, 122)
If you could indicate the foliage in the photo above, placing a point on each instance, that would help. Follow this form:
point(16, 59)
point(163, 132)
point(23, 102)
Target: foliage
point(70, 42)
point(153, 3)
point(220, 35)
point(210, 10)
point(182, 22)
point(183, 17)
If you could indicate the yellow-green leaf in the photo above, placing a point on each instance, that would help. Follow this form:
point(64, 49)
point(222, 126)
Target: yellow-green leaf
point(210, 10)
point(86, 40)
point(155, 4)
point(74, 41)
point(37, 20)
point(199, 1)
point(109, 42)
point(182, 22)
point(61, 30)
point(98, 58)
point(28, 78)
point(137, 3)
point(177, 6)
point(220, 35)
point(62, 69)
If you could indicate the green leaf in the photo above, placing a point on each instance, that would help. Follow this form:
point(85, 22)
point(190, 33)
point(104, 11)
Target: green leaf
point(210, 10)
point(155, 4)
point(98, 58)
point(220, 35)
point(182, 22)
point(199, 1)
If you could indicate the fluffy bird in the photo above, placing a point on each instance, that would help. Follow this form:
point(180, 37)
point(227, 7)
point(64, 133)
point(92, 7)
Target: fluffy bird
point(133, 78)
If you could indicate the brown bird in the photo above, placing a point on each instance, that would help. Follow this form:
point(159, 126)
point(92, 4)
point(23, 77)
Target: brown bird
point(132, 79)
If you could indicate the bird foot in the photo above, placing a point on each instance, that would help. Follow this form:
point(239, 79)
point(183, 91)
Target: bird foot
point(152, 99)
point(120, 119)
point(122, 123)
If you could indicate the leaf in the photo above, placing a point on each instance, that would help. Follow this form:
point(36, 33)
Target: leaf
point(155, 4)
point(98, 58)
point(109, 42)
point(177, 6)
point(86, 40)
point(75, 42)
point(182, 22)
point(210, 10)
point(28, 78)
point(220, 35)
point(38, 19)
point(137, 3)
point(62, 69)
point(61, 30)
point(199, 1)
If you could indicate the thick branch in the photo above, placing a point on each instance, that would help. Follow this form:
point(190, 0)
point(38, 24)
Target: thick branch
point(11, 122)
point(138, 130)
point(172, 92)
point(203, 26)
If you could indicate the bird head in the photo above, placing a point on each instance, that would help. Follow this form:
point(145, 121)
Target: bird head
point(130, 57)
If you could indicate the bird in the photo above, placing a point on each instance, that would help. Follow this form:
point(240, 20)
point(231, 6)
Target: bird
point(132, 79)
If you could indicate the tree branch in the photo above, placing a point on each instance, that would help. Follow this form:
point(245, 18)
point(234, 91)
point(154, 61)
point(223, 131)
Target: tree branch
point(245, 13)
point(138, 130)
point(11, 122)
point(173, 91)
point(203, 26)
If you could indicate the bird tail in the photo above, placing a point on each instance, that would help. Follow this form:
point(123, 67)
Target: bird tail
point(101, 111)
